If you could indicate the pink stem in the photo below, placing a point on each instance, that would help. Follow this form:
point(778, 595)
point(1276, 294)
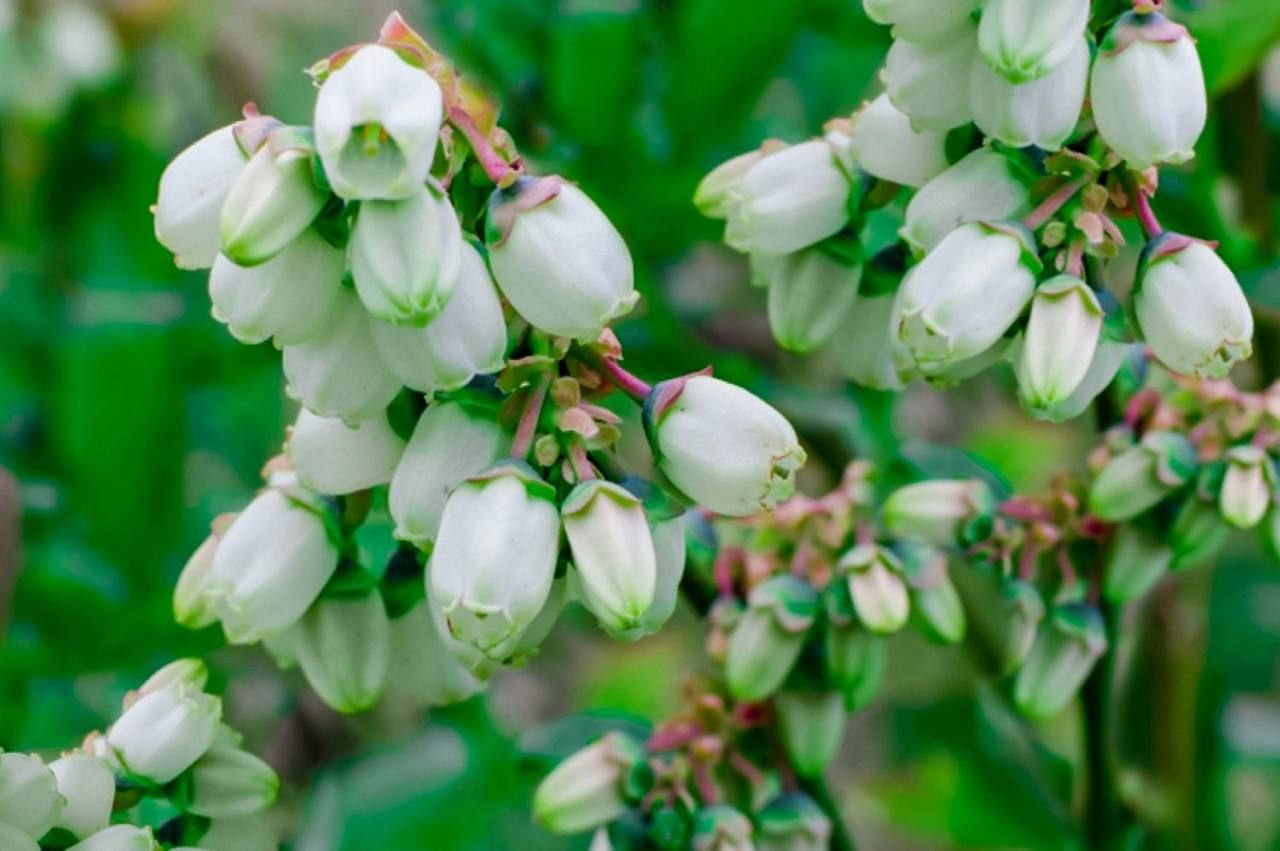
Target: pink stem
point(1146, 216)
point(674, 737)
point(706, 787)
point(747, 769)
point(499, 171)
point(1027, 564)
point(1075, 259)
point(722, 569)
point(1068, 569)
point(1055, 202)
point(581, 464)
point(528, 425)
point(625, 381)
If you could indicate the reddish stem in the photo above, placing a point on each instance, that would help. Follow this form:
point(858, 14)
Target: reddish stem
point(674, 737)
point(528, 425)
point(1027, 563)
point(581, 463)
point(747, 769)
point(706, 786)
point(1146, 216)
point(626, 382)
point(722, 569)
point(1069, 575)
point(1055, 202)
point(1075, 259)
point(499, 171)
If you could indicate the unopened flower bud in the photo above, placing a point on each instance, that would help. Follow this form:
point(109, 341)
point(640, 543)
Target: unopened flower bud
point(338, 372)
point(792, 822)
point(343, 645)
point(332, 457)
point(810, 293)
point(613, 553)
point(987, 185)
point(495, 556)
point(88, 786)
point(453, 440)
point(558, 259)
point(961, 299)
point(877, 588)
point(29, 798)
point(724, 447)
point(273, 200)
point(245, 833)
point(1024, 40)
point(377, 120)
point(714, 194)
point(467, 339)
point(811, 726)
point(119, 837)
point(1191, 309)
point(1147, 90)
point(406, 256)
point(930, 82)
point(789, 200)
point(938, 511)
point(854, 655)
point(586, 790)
point(164, 732)
point(1067, 647)
point(934, 598)
point(886, 145)
point(269, 567)
point(290, 297)
point(1059, 343)
point(1247, 486)
point(925, 21)
point(228, 782)
point(1043, 113)
point(768, 637)
point(722, 828)
point(192, 190)
point(1142, 476)
point(1022, 612)
point(1136, 560)
point(425, 665)
point(1197, 534)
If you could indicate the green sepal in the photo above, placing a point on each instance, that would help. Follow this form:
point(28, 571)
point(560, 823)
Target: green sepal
point(792, 602)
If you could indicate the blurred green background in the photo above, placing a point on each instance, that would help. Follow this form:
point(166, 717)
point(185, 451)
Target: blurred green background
point(129, 418)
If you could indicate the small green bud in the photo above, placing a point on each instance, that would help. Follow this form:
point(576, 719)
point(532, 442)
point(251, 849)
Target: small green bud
point(879, 593)
point(1136, 560)
point(792, 822)
point(1142, 476)
point(1247, 486)
point(768, 637)
point(811, 725)
point(586, 790)
point(1197, 534)
point(722, 828)
point(934, 598)
point(1066, 648)
point(938, 511)
point(854, 655)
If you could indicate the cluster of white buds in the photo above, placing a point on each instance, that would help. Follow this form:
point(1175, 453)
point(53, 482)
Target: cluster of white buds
point(1005, 230)
point(452, 356)
point(168, 744)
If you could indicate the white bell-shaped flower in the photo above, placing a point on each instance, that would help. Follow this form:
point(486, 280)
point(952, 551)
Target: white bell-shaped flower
point(930, 82)
point(885, 145)
point(332, 457)
point(1043, 113)
point(193, 188)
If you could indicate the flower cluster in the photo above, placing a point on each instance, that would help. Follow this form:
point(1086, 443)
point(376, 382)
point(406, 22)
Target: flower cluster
point(470, 421)
point(800, 601)
point(168, 748)
point(1022, 145)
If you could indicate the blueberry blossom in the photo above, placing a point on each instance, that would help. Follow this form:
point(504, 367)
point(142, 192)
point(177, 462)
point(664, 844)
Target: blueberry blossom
point(192, 190)
point(227, 781)
point(1025, 40)
point(938, 511)
point(406, 256)
point(453, 441)
point(272, 201)
point(338, 372)
point(925, 21)
point(377, 120)
point(725, 448)
point(557, 258)
point(495, 556)
point(1247, 486)
point(1059, 343)
point(343, 645)
point(88, 788)
point(29, 799)
point(331, 457)
point(467, 339)
point(1066, 648)
point(1147, 90)
point(270, 566)
point(613, 553)
point(290, 297)
point(885, 145)
point(810, 293)
point(987, 185)
point(961, 299)
point(866, 346)
point(162, 733)
point(811, 726)
point(930, 82)
point(876, 587)
point(425, 666)
point(769, 635)
point(119, 837)
point(789, 200)
point(714, 194)
point(1191, 309)
point(1043, 113)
